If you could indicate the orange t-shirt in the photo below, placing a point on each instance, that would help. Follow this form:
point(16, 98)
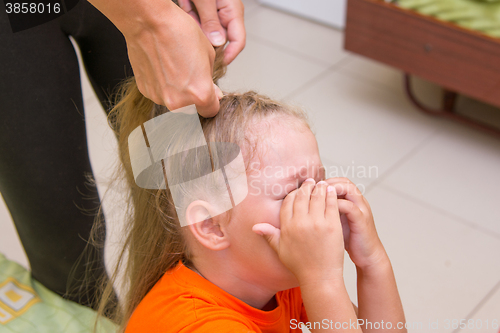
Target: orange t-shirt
point(183, 301)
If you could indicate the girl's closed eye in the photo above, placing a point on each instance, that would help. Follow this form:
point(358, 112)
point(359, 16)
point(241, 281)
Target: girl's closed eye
point(288, 191)
point(283, 198)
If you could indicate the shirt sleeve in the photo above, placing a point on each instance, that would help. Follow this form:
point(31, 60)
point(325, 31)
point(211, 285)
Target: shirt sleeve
point(219, 326)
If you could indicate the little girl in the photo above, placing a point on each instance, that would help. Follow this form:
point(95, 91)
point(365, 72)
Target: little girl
point(273, 263)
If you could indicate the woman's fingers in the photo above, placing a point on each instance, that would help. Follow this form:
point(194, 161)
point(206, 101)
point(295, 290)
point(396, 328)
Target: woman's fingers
point(210, 21)
point(207, 102)
point(236, 36)
point(186, 6)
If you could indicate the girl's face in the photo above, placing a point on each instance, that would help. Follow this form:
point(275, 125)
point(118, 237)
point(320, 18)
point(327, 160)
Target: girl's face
point(290, 156)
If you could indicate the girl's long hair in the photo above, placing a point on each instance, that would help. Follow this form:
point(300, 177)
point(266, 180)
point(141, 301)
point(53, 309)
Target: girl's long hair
point(153, 240)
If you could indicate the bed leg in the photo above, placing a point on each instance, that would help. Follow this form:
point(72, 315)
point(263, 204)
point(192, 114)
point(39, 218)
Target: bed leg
point(447, 109)
point(449, 99)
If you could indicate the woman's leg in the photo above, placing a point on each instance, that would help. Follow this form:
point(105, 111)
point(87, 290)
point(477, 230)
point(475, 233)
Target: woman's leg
point(103, 49)
point(43, 153)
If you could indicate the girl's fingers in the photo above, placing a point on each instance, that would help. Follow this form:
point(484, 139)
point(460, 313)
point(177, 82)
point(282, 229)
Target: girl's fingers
point(317, 203)
point(332, 209)
point(286, 211)
point(270, 233)
point(346, 189)
point(351, 210)
point(302, 198)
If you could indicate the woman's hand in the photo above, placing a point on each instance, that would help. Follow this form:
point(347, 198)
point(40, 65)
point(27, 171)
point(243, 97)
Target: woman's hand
point(171, 57)
point(309, 241)
point(360, 236)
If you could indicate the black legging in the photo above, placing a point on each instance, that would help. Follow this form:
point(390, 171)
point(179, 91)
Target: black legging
point(43, 145)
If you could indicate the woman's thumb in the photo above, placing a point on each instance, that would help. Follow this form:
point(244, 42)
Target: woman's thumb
point(270, 233)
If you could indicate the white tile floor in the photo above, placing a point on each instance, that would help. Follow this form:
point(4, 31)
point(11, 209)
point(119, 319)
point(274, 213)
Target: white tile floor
point(433, 183)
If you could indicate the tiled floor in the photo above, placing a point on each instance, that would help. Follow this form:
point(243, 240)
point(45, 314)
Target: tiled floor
point(432, 185)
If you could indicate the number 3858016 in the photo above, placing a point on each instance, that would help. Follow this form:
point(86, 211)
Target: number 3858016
point(32, 8)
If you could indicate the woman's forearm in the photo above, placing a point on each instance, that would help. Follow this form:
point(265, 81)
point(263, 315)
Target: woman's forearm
point(132, 16)
point(379, 304)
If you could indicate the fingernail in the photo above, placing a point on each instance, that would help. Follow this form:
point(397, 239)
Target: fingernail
point(216, 38)
point(310, 180)
point(330, 188)
point(322, 182)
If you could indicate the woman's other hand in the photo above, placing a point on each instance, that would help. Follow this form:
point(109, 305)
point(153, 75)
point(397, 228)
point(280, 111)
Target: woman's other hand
point(221, 21)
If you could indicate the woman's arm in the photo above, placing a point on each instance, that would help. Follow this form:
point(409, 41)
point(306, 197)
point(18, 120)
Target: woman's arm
point(171, 56)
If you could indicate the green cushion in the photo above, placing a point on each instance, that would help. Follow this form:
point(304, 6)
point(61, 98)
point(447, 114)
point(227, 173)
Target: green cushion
point(27, 306)
point(479, 15)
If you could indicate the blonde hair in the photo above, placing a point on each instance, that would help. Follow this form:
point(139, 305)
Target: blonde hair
point(154, 240)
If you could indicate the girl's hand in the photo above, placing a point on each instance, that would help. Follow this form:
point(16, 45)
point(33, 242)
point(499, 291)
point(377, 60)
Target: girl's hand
point(360, 236)
point(309, 241)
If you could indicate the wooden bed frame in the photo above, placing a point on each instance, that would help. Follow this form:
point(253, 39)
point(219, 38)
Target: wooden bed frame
point(460, 60)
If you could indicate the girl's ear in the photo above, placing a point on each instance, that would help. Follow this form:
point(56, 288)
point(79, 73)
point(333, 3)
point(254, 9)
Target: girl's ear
point(205, 228)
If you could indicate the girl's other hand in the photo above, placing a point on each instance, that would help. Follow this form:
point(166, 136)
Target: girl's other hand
point(309, 241)
point(360, 236)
